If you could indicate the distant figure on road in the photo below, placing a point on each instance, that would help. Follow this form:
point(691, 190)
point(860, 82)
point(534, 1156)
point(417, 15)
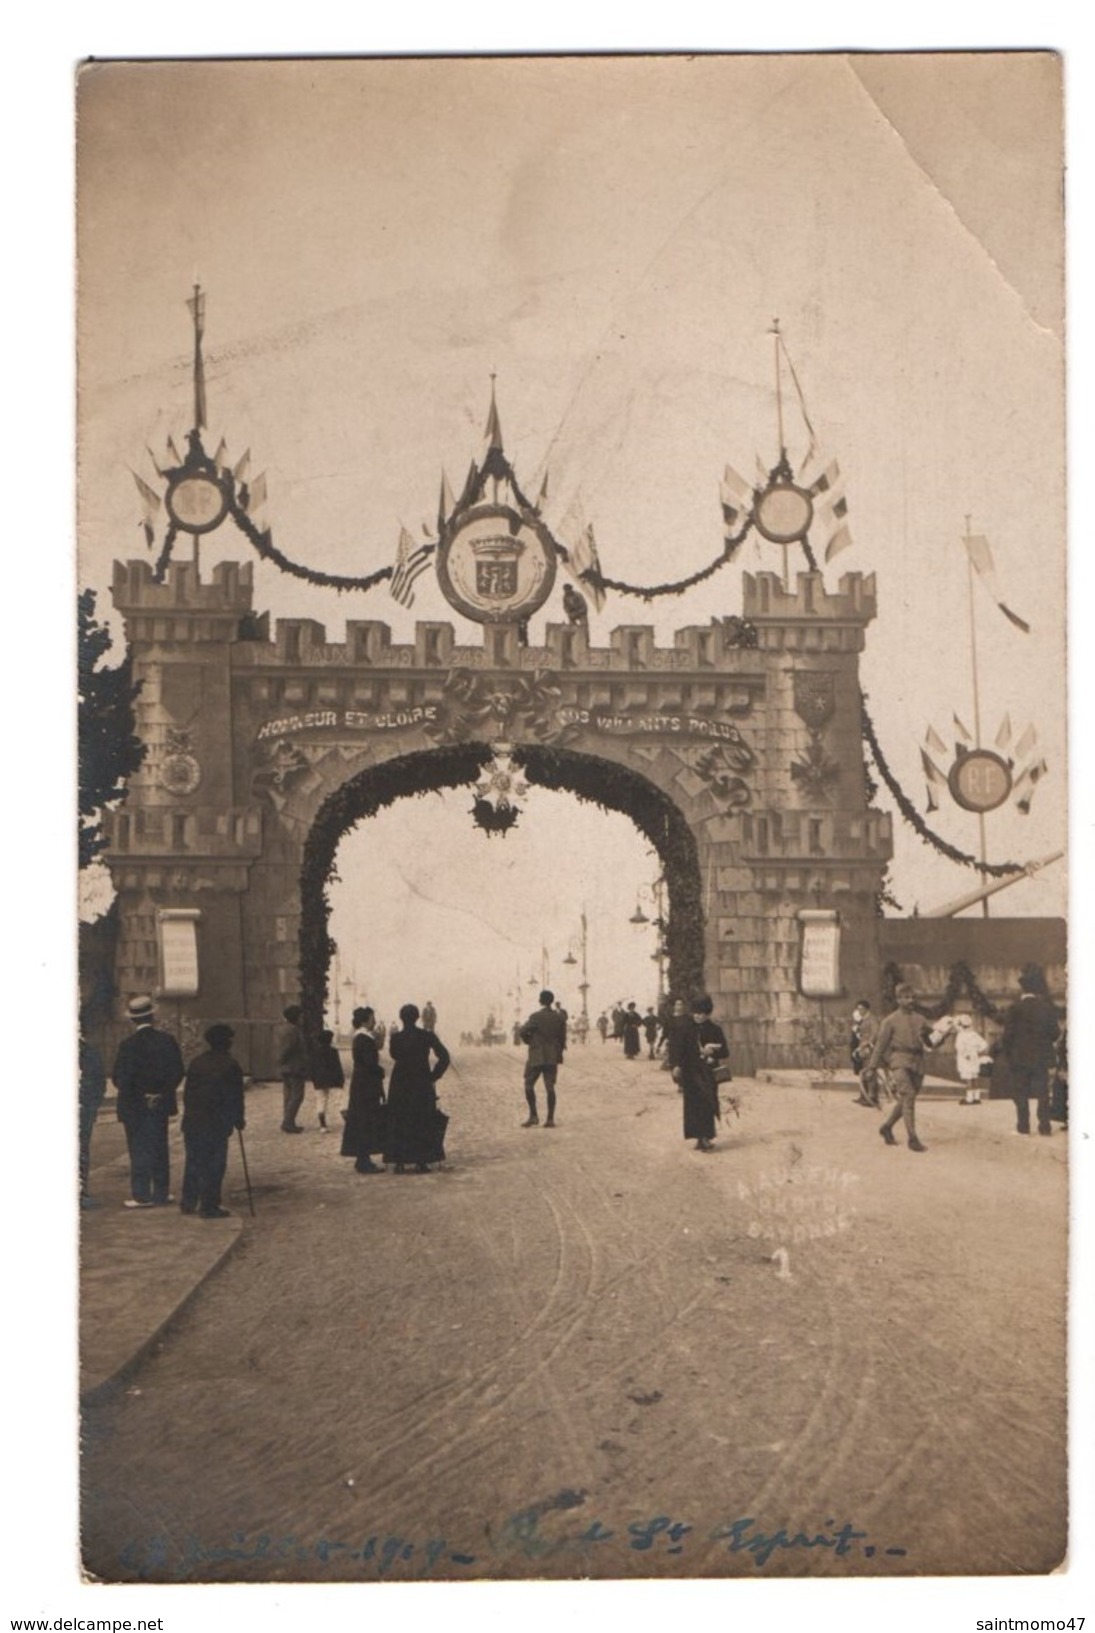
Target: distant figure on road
point(545, 1032)
point(363, 1134)
point(692, 1072)
point(899, 1049)
point(327, 1074)
point(148, 1069)
point(633, 1025)
point(1027, 1043)
point(650, 1028)
point(292, 1068)
point(416, 1127)
point(429, 1015)
point(602, 1026)
point(212, 1108)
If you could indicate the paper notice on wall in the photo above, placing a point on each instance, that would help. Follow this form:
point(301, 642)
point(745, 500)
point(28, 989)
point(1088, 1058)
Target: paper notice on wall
point(179, 952)
point(819, 974)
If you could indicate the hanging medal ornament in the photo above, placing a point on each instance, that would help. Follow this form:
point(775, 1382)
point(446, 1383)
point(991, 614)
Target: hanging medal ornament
point(500, 791)
point(496, 565)
point(783, 512)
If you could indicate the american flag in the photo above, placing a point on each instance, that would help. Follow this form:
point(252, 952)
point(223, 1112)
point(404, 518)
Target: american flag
point(410, 561)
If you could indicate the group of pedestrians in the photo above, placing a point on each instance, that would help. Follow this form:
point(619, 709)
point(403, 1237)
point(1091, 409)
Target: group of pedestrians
point(628, 1027)
point(148, 1070)
point(891, 1058)
point(404, 1127)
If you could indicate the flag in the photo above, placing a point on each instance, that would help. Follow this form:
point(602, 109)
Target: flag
point(255, 495)
point(736, 499)
point(1025, 786)
point(542, 496)
point(445, 504)
point(840, 540)
point(933, 740)
point(241, 469)
point(411, 561)
point(961, 730)
point(977, 549)
point(155, 461)
point(934, 778)
point(584, 558)
point(173, 451)
point(1026, 743)
point(220, 458)
point(1003, 736)
point(828, 479)
point(152, 502)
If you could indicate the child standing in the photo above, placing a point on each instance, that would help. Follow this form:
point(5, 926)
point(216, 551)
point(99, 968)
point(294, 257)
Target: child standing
point(971, 1052)
point(327, 1074)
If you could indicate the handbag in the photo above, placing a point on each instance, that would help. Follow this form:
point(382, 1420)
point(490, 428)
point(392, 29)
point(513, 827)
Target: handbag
point(722, 1072)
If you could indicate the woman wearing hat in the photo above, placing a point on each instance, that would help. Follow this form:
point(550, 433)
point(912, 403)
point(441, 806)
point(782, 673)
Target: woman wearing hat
point(416, 1128)
point(212, 1108)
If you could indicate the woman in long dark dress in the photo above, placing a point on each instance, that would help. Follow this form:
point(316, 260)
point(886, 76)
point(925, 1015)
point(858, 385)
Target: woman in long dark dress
point(415, 1131)
point(691, 1065)
point(363, 1135)
point(633, 1024)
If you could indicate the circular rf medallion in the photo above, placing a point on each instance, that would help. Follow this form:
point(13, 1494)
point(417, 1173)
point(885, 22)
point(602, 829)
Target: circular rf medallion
point(783, 512)
point(196, 502)
point(980, 780)
point(180, 774)
point(495, 565)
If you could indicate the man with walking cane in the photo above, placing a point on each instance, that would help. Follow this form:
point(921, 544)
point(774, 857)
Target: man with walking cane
point(212, 1108)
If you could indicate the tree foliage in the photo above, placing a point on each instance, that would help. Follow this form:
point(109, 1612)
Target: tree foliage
point(109, 749)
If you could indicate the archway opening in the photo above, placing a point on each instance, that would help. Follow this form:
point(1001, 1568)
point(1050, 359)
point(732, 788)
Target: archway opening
point(506, 909)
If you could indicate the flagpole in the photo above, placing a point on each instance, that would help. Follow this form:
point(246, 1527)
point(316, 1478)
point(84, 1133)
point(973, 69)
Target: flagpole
point(976, 699)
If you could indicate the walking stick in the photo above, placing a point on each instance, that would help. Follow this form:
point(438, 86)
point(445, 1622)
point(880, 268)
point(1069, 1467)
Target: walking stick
point(246, 1175)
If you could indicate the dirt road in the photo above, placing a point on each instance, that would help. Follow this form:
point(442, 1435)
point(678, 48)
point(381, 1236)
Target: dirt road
point(572, 1354)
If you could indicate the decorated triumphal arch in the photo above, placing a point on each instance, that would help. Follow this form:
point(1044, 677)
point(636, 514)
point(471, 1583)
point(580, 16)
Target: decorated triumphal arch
point(737, 750)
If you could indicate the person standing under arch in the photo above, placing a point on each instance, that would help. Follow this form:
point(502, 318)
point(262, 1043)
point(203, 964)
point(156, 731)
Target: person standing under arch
point(212, 1108)
point(292, 1067)
point(1027, 1042)
point(692, 1073)
point(545, 1033)
point(363, 1132)
point(416, 1128)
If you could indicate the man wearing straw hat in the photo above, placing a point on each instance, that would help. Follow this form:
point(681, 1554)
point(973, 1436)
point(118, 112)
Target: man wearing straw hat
point(148, 1069)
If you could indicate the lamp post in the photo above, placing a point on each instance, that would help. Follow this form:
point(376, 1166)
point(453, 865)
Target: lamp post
point(639, 917)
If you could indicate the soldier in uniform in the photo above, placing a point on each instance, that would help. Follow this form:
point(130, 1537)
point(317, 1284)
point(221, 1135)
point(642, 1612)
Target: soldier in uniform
point(902, 1039)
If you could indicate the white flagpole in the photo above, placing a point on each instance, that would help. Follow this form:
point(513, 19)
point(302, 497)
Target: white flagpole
point(976, 698)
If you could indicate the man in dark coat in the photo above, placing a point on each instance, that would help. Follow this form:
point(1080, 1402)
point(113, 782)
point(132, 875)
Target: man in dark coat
point(148, 1069)
point(1030, 1031)
point(293, 1068)
point(545, 1032)
point(92, 1091)
point(212, 1108)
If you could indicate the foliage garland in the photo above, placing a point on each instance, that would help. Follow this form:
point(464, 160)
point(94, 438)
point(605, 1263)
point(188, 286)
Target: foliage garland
point(912, 816)
point(495, 467)
point(596, 781)
point(961, 979)
point(109, 750)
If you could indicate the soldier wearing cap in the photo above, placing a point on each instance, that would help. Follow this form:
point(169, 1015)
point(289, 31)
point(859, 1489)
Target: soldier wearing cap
point(212, 1108)
point(148, 1069)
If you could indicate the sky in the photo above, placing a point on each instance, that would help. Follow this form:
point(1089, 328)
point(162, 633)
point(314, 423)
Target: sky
point(612, 238)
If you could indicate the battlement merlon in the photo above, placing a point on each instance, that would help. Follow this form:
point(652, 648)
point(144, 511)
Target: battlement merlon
point(230, 590)
point(765, 599)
